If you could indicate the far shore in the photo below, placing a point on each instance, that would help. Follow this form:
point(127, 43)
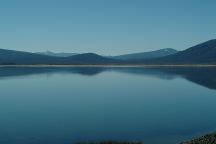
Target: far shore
point(109, 65)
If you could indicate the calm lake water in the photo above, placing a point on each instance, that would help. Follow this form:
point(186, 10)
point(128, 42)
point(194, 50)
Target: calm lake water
point(69, 105)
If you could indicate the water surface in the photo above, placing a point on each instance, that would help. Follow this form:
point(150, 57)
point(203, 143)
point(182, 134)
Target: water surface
point(68, 105)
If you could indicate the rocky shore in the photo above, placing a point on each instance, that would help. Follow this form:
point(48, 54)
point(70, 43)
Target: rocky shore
point(111, 142)
point(207, 139)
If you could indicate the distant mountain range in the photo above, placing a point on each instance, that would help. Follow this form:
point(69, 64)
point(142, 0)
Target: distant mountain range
point(204, 53)
point(147, 55)
point(11, 57)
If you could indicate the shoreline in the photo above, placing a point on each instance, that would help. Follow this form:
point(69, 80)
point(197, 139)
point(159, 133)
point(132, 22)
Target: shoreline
point(106, 66)
point(205, 139)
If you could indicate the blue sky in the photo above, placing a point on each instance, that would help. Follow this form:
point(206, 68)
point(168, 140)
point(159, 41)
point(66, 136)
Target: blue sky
point(108, 27)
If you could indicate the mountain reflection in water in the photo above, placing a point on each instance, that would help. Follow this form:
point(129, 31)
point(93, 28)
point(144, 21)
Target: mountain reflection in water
point(204, 76)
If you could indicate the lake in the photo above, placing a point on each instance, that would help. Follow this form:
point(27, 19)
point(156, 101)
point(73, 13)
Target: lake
point(69, 105)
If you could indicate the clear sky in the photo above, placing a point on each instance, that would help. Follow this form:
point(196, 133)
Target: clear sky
point(107, 27)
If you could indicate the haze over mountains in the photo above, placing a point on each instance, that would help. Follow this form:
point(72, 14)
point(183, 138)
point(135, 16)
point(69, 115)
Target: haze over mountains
point(147, 55)
point(204, 53)
point(62, 54)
